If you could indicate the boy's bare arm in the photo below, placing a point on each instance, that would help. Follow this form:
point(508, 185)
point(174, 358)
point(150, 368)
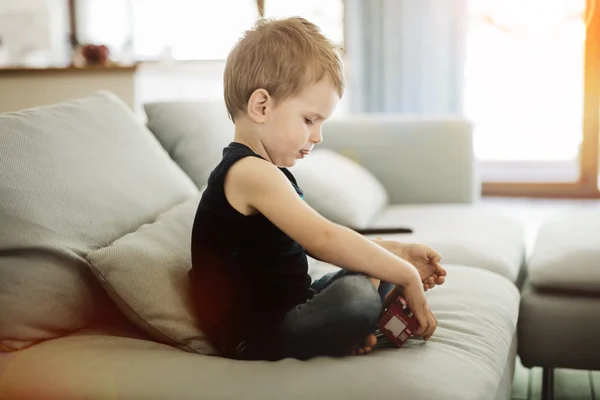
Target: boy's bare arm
point(318, 259)
point(265, 189)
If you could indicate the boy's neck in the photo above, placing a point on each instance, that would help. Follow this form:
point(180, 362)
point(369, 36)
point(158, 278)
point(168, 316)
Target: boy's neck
point(250, 139)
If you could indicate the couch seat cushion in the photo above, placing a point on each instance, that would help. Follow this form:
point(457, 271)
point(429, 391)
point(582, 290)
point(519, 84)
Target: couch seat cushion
point(465, 359)
point(74, 177)
point(463, 234)
point(566, 255)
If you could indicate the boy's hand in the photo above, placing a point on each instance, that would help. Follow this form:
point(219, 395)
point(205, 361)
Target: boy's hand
point(415, 299)
point(425, 259)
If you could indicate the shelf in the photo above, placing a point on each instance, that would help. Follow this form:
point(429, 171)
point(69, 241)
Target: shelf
point(69, 69)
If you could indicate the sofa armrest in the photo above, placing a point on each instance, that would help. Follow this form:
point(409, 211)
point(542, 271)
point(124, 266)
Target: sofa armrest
point(417, 159)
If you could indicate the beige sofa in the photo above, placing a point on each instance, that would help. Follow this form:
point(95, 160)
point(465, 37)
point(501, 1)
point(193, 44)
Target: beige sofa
point(93, 205)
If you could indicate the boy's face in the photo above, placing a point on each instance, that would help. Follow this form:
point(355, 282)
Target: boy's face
point(293, 126)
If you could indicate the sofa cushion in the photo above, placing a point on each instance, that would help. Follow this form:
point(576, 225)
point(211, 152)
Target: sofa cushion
point(463, 234)
point(145, 273)
point(193, 132)
point(465, 359)
point(566, 255)
point(558, 330)
point(340, 189)
point(74, 177)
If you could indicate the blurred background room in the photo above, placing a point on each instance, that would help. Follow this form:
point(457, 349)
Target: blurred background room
point(526, 73)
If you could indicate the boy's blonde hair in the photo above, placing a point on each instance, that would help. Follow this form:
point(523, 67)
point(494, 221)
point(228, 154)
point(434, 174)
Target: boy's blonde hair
point(281, 56)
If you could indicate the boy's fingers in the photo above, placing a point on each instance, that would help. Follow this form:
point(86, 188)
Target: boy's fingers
point(440, 280)
point(425, 333)
point(432, 324)
point(430, 328)
point(423, 325)
point(424, 321)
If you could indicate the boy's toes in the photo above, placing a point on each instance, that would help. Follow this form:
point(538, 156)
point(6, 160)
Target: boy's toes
point(370, 340)
point(441, 271)
point(367, 348)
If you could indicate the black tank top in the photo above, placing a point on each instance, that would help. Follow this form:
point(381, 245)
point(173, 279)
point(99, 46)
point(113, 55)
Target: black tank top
point(246, 273)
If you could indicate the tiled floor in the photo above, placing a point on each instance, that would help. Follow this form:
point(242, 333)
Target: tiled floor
point(569, 384)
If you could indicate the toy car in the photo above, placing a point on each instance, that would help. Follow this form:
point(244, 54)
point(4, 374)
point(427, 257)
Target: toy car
point(398, 322)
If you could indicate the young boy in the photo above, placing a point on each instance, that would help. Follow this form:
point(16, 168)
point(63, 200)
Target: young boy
point(252, 231)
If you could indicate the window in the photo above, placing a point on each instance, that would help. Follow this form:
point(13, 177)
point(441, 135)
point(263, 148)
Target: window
point(150, 29)
point(326, 14)
point(191, 29)
point(525, 80)
point(525, 87)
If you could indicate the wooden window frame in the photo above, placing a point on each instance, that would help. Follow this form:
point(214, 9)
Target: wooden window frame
point(260, 4)
point(587, 185)
point(71, 9)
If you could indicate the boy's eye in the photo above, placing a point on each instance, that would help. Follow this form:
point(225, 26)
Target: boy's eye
point(308, 121)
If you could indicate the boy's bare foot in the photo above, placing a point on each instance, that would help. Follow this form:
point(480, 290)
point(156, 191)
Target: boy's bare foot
point(375, 282)
point(424, 259)
point(370, 342)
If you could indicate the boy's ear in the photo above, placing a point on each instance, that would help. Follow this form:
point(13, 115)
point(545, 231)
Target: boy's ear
point(258, 103)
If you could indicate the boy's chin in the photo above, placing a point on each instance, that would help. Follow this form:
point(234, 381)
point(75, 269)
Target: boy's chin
point(290, 162)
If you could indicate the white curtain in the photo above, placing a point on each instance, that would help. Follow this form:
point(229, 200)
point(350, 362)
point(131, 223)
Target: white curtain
point(406, 56)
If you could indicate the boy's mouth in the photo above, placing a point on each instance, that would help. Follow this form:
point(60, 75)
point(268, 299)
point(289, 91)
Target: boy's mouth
point(304, 153)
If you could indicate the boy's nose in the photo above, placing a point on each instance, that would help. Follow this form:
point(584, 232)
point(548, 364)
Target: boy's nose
point(317, 136)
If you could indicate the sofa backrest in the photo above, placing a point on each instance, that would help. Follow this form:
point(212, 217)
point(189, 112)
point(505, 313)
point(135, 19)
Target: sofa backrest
point(74, 177)
point(194, 134)
point(418, 159)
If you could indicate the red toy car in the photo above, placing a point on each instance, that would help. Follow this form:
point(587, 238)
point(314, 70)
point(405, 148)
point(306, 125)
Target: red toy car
point(398, 322)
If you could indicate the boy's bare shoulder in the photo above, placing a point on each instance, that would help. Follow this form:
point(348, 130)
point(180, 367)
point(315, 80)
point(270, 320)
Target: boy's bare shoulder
point(254, 172)
point(252, 179)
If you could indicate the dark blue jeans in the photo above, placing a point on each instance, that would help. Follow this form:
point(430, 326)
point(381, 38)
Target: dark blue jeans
point(342, 309)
